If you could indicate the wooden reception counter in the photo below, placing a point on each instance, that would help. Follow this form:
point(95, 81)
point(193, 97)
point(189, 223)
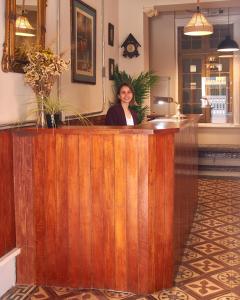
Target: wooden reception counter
point(104, 207)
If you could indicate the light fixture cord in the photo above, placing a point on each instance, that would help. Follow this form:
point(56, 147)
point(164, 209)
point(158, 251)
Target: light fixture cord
point(198, 6)
point(23, 7)
point(175, 52)
point(228, 23)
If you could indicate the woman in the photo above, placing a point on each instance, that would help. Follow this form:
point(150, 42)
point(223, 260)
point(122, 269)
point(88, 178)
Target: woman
point(120, 113)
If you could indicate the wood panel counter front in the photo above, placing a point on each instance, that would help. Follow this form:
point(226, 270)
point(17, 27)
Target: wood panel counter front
point(95, 205)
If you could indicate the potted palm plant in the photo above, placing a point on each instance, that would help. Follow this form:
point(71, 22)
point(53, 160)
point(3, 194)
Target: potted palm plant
point(141, 84)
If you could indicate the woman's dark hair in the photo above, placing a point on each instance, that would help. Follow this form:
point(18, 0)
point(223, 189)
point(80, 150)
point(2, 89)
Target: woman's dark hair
point(131, 89)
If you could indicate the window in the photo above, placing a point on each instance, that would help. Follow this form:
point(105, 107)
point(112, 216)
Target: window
point(204, 75)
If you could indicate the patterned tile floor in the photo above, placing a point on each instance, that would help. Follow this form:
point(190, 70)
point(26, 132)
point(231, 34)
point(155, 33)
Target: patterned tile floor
point(210, 268)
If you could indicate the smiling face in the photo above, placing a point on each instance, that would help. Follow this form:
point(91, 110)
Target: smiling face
point(125, 95)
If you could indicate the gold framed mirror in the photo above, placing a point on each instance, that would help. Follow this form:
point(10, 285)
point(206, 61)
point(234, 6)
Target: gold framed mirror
point(24, 27)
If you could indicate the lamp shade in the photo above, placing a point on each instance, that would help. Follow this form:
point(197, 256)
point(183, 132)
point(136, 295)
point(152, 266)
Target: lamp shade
point(198, 25)
point(23, 27)
point(228, 45)
point(161, 100)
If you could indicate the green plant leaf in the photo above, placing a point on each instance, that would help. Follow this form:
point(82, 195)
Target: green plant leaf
point(54, 106)
point(141, 84)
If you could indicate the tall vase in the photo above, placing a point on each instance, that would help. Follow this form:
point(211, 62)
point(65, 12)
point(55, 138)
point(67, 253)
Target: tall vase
point(41, 121)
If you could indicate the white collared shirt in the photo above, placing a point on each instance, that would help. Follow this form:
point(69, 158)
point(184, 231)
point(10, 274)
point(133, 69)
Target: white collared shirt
point(130, 121)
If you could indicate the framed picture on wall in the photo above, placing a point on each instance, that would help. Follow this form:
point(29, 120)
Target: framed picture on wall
point(110, 34)
point(111, 67)
point(83, 42)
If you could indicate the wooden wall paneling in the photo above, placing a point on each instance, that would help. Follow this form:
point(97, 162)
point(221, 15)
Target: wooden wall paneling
point(72, 182)
point(120, 211)
point(132, 216)
point(195, 165)
point(185, 186)
point(143, 216)
point(85, 202)
point(181, 197)
point(40, 203)
point(159, 215)
point(168, 209)
point(19, 214)
point(24, 209)
point(50, 207)
point(62, 236)
point(7, 196)
point(108, 212)
point(7, 214)
point(164, 210)
point(100, 205)
point(97, 167)
point(152, 171)
point(2, 200)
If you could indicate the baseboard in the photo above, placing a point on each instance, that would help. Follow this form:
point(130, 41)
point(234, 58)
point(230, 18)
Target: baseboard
point(219, 160)
point(8, 270)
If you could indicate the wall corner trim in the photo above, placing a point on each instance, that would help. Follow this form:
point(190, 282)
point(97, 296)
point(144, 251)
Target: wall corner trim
point(10, 255)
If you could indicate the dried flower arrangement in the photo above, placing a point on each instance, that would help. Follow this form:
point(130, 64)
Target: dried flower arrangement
point(43, 69)
point(41, 72)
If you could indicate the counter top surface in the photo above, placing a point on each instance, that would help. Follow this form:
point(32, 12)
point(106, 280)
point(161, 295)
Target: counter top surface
point(156, 126)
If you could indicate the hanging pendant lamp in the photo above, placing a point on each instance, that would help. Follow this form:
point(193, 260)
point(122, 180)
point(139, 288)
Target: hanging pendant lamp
point(228, 44)
point(198, 25)
point(23, 26)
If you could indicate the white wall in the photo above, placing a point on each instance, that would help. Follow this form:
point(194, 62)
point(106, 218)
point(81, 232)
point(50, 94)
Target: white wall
point(131, 20)
point(90, 98)
point(162, 59)
point(218, 134)
point(8, 276)
point(86, 98)
point(8, 270)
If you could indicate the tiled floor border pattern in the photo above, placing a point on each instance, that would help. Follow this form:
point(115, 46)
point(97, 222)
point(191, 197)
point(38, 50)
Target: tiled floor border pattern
point(210, 268)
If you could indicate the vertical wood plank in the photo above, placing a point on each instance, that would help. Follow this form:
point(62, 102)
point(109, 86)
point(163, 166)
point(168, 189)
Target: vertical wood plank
point(169, 209)
point(120, 212)
point(159, 211)
point(72, 181)
point(40, 207)
point(50, 208)
point(7, 214)
point(30, 208)
point(97, 167)
point(85, 207)
point(132, 211)
point(19, 212)
point(152, 210)
point(108, 212)
point(2, 198)
point(24, 213)
point(62, 238)
point(143, 217)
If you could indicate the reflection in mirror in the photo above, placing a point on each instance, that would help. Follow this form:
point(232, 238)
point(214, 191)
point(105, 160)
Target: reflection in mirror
point(25, 16)
point(25, 27)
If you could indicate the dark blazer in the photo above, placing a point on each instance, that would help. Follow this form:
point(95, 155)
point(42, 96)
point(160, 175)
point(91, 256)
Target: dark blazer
point(116, 116)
